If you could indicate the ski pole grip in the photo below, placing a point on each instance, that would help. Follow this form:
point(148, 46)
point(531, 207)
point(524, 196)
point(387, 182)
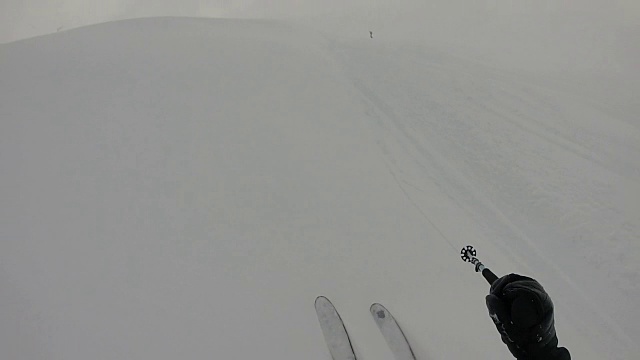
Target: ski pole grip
point(489, 276)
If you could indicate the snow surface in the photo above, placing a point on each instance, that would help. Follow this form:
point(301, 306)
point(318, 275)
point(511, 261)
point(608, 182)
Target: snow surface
point(178, 188)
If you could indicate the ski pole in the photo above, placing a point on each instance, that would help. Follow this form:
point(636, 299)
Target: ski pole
point(468, 254)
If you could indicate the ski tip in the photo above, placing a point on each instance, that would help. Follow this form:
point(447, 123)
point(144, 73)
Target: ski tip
point(376, 306)
point(378, 311)
point(322, 299)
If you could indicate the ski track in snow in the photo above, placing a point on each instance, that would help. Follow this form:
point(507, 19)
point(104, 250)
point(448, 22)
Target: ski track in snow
point(181, 188)
point(507, 105)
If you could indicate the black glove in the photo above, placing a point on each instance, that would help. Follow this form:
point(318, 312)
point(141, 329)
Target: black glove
point(523, 314)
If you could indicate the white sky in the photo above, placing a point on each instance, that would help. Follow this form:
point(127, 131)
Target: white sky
point(21, 19)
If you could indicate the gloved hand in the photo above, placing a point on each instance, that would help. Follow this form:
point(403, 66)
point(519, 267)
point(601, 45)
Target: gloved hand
point(523, 314)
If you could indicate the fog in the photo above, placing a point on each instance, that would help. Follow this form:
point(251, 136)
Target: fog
point(178, 174)
point(591, 42)
point(20, 19)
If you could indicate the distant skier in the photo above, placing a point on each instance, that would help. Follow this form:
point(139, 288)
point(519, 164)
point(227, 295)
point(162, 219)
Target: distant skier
point(371, 34)
point(523, 314)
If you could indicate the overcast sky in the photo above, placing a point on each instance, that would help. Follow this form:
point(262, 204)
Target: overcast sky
point(21, 19)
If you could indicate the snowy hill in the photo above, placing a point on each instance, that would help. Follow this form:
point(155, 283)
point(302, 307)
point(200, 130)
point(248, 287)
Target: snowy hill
point(185, 188)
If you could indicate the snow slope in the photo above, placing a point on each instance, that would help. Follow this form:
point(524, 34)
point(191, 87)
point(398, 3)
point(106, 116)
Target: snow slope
point(185, 188)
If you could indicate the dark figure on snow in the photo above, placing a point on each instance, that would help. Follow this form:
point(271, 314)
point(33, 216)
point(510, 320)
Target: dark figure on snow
point(371, 34)
point(523, 314)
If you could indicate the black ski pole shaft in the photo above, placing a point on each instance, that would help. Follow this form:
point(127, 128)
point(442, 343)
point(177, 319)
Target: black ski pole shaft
point(468, 254)
point(489, 275)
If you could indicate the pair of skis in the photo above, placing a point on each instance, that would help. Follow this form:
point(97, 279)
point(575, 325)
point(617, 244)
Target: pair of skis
point(337, 338)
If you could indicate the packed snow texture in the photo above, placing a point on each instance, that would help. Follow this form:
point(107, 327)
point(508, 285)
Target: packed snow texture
point(179, 188)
